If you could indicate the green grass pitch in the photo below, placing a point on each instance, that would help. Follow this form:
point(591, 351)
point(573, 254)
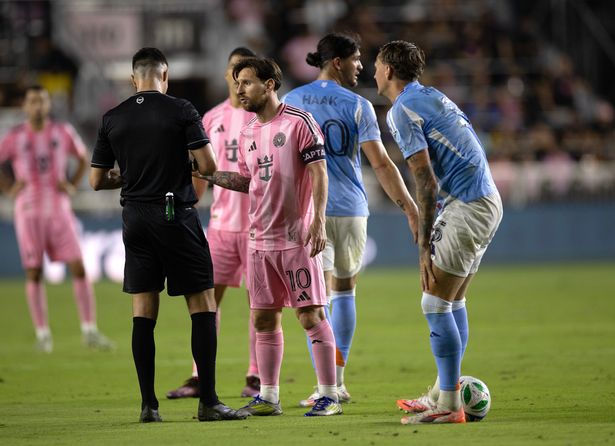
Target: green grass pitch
point(541, 337)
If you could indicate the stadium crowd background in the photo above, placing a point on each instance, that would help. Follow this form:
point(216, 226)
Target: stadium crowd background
point(534, 77)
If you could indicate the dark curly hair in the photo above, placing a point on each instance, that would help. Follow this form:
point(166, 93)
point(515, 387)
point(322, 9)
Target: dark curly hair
point(406, 59)
point(263, 67)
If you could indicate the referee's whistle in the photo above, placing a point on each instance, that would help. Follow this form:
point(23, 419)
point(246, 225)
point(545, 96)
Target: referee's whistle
point(169, 206)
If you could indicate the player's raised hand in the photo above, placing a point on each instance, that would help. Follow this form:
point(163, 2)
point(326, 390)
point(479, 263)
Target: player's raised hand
point(318, 236)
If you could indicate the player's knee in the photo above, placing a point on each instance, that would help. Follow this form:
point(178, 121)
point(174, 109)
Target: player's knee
point(434, 304)
point(34, 274)
point(264, 322)
point(77, 269)
point(309, 317)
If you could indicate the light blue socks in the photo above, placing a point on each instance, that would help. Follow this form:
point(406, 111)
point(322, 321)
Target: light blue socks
point(446, 344)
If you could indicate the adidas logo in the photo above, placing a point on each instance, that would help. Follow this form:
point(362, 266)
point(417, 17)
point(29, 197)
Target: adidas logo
point(303, 297)
point(316, 341)
point(219, 129)
point(252, 146)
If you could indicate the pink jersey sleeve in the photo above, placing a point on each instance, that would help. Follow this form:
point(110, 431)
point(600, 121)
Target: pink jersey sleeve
point(75, 144)
point(7, 145)
point(207, 122)
point(309, 134)
point(310, 140)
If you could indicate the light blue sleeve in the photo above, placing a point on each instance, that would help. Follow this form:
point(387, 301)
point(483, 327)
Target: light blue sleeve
point(368, 123)
point(291, 98)
point(406, 126)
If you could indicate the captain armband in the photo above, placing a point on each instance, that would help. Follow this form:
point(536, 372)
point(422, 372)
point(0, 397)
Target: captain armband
point(314, 153)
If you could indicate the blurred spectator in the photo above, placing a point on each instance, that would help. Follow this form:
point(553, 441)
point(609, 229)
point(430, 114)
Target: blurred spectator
point(525, 96)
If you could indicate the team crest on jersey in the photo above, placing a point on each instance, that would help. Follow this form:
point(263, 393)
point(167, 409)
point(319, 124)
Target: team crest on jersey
point(264, 165)
point(140, 100)
point(279, 139)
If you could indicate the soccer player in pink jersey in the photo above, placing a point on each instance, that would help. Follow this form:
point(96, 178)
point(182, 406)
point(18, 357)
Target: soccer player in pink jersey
point(227, 232)
point(38, 151)
point(282, 168)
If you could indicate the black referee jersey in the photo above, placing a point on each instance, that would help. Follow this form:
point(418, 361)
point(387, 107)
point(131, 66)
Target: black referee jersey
point(149, 136)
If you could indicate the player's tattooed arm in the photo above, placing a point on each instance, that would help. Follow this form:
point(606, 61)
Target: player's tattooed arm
point(229, 180)
point(391, 181)
point(426, 191)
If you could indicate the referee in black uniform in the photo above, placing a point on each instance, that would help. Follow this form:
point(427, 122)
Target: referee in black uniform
point(150, 135)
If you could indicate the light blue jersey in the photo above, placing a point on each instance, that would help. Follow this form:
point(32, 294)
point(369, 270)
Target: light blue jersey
point(347, 120)
point(423, 117)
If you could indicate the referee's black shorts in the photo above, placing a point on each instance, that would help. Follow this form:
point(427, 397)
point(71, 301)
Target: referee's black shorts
point(157, 249)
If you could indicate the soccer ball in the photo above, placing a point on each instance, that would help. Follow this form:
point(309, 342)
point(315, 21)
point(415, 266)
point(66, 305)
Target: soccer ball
point(475, 398)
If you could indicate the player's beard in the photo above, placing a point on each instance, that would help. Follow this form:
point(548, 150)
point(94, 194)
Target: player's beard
point(254, 105)
point(37, 120)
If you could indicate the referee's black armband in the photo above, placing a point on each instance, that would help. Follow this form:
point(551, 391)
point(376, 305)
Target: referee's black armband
point(314, 153)
point(198, 144)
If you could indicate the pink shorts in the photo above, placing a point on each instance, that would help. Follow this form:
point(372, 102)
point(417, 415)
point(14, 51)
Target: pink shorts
point(289, 278)
point(55, 234)
point(229, 254)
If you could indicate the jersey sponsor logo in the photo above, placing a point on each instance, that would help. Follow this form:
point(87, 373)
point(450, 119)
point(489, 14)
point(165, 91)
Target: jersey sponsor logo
point(140, 100)
point(265, 164)
point(230, 149)
point(252, 147)
point(304, 296)
point(279, 139)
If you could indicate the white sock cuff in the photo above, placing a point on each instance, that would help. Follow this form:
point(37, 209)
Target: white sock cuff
point(330, 391)
point(434, 304)
point(88, 327)
point(270, 393)
point(346, 293)
point(459, 304)
point(43, 332)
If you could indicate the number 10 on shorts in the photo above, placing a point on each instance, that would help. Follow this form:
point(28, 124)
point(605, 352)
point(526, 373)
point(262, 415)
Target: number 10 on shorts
point(300, 278)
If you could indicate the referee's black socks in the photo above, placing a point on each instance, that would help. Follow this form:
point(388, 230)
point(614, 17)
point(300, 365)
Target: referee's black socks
point(204, 348)
point(144, 353)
